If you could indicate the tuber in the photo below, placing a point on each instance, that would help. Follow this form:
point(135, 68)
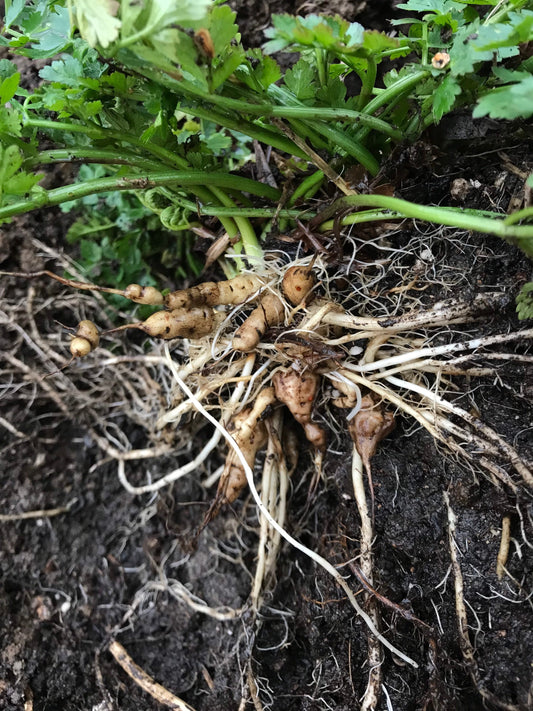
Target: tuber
point(298, 392)
point(297, 284)
point(211, 293)
point(179, 323)
point(85, 340)
point(143, 294)
point(250, 434)
point(269, 313)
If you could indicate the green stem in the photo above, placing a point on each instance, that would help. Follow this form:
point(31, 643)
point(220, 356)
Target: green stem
point(402, 86)
point(164, 155)
point(519, 215)
point(94, 131)
point(262, 212)
point(322, 113)
point(260, 133)
point(369, 80)
point(249, 242)
point(450, 217)
point(321, 56)
point(309, 183)
point(351, 147)
point(90, 155)
point(139, 182)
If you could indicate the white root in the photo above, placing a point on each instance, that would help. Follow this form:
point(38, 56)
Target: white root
point(274, 489)
point(422, 353)
point(326, 565)
point(182, 471)
point(510, 453)
point(441, 314)
point(372, 692)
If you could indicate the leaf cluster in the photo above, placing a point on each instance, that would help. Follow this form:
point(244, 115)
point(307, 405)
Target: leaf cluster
point(160, 88)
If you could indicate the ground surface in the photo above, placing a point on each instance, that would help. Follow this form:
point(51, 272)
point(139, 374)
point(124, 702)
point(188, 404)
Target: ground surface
point(71, 582)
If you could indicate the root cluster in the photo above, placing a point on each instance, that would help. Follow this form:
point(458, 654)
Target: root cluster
point(299, 344)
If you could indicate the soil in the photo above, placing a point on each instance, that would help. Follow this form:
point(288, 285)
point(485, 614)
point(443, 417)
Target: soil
point(74, 580)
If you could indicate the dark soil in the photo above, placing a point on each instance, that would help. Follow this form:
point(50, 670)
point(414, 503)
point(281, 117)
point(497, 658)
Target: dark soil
point(72, 582)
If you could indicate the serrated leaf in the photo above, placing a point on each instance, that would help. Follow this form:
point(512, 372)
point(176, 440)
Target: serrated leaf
point(97, 21)
point(507, 102)
point(444, 96)
point(63, 71)
point(506, 34)
point(7, 68)
point(21, 183)
point(222, 28)
point(333, 95)
point(51, 33)
point(10, 122)
point(90, 251)
point(300, 80)
point(164, 13)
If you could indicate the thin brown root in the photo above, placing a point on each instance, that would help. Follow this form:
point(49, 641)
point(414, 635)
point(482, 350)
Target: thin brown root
point(38, 513)
point(253, 689)
point(145, 681)
point(503, 553)
point(467, 649)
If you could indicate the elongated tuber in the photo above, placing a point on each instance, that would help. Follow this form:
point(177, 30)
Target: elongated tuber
point(298, 391)
point(178, 323)
point(297, 285)
point(269, 313)
point(210, 293)
point(250, 433)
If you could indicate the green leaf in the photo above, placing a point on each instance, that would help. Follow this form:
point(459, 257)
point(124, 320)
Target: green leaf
point(48, 31)
point(7, 68)
point(444, 96)
point(63, 71)
point(10, 122)
point(524, 301)
point(8, 87)
point(510, 34)
point(90, 252)
point(507, 102)
point(301, 80)
point(97, 21)
point(12, 180)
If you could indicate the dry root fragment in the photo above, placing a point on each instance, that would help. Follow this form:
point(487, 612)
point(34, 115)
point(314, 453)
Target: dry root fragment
point(210, 293)
point(145, 681)
point(369, 426)
point(85, 340)
point(298, 392)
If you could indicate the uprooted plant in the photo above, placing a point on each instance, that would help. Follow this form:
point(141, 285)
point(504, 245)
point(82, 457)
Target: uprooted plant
point(166, 98)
